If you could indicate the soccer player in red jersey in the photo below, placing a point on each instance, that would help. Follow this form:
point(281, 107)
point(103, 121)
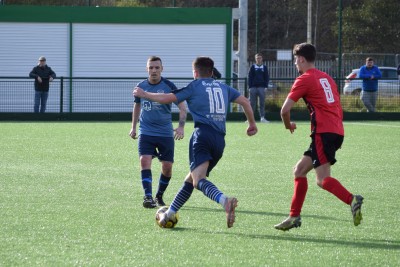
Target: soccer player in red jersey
point(321, 96)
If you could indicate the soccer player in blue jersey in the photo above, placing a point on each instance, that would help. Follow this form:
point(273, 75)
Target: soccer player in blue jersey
point(156, 133)
point(208, 101)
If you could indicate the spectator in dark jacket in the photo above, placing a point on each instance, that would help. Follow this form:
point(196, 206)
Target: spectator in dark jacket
point(43, 75)
point(370, 75)
point(258, 82)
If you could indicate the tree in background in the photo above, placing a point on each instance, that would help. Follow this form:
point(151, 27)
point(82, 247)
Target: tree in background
point(372, 26)
point(369, 26)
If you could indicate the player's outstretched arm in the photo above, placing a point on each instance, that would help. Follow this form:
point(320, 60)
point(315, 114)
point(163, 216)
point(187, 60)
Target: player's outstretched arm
point(285, 115)
point(156, 97)
point(248, 111)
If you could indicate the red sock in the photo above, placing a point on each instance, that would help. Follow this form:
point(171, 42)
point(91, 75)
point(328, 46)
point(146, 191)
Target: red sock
point(299, 194)
point(333, 186)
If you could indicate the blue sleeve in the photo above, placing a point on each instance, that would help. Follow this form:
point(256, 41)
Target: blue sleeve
point(183, 94)
point(170, 84)
point(363, 73)
point(378, 73)
point(137, 99)
point(233, 94)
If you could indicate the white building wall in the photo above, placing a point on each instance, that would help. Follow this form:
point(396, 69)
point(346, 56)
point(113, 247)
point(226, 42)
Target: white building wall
point(121, 50)
point(100, 50)
point(21, 45)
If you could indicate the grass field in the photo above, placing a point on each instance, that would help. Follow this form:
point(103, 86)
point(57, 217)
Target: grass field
point(70, 195)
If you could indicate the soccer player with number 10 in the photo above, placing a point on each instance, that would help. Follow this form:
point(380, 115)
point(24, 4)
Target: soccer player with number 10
point(321, 96)
point(208, 101)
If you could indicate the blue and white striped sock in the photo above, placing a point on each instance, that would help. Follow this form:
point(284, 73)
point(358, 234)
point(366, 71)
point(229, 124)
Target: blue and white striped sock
point(181, 198)
point(211, 191)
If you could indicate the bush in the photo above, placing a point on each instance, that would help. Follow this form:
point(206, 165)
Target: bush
point(350, 103)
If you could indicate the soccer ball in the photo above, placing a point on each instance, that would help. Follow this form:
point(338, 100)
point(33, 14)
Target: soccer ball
point(171, 222)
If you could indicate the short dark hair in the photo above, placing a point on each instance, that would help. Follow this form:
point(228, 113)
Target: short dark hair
point(204, 66)
point(369, 59)
point(154, 58)
point(305, 50)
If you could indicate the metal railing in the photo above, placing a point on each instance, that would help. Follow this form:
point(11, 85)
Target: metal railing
point(82, 94)
point(114, 95)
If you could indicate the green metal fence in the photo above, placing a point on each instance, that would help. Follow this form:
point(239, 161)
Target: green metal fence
point(114, 95)
point(81, 94)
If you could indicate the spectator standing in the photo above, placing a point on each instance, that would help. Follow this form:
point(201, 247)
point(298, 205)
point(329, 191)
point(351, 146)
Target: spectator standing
point(370, 75)
point(43, 75)
point(258, 78)
point(156, 133)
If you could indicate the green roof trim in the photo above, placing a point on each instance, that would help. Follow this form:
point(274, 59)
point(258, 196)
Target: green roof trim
point(115, 15)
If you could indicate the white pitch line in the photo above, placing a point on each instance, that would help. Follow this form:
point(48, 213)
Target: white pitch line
point(373, 124)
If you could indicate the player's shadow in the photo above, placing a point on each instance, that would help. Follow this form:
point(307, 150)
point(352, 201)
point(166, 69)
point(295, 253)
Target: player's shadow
point(286, 236)
point(261, 213)
point(362, 243)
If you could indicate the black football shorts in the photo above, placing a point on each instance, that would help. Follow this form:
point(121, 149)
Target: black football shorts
point(323, 148)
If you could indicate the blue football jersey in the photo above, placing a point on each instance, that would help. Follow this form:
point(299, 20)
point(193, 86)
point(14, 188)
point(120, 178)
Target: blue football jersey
point(208, 101)
point(155, 118)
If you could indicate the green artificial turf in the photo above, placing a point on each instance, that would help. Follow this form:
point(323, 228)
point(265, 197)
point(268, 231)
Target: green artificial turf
point(71, 195)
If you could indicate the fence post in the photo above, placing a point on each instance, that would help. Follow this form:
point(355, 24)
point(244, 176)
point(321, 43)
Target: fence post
point(246, 90)
point(339, 71)
point(61, 94)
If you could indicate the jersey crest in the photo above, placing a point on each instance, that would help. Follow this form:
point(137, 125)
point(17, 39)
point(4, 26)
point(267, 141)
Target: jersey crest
point(146, 105)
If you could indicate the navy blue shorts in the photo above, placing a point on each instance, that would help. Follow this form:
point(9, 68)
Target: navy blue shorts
point(157, 146)
point(206, 144)
point(323, 148)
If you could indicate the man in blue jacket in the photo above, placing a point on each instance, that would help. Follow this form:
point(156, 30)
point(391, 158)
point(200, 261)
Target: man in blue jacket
point(370, 75)
point(258, 82)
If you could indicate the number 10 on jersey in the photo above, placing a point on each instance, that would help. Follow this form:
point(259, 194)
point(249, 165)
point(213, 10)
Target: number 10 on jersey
point(216, 98)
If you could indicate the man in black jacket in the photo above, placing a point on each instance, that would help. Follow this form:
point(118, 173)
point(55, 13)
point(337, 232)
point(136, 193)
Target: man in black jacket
point(43, 75)
point(258, 82)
